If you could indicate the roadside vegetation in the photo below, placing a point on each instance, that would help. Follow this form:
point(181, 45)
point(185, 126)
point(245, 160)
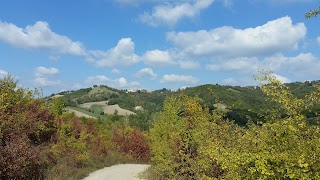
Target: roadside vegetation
point(39, 140)
point(206, 132)
point(189, 142)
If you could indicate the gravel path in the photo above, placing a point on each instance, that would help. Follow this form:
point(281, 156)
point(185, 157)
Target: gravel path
point(118, 172)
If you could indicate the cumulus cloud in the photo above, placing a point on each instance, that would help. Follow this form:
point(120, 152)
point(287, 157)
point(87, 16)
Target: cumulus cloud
point(45, 82)
point(43, 71)
point(173, 78)
point(116, 83)
point(274, 36)
point(158, 58)
point(171, 13)
point(123, 54)
point(302, 65)
point(38, 36)
point(189, 64)
point(241, 64)
point(146, 73)
point(282, 79)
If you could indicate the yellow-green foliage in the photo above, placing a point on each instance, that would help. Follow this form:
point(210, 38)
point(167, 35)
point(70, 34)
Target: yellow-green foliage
point(189, 143)
point(177, 137)
point(286, 148)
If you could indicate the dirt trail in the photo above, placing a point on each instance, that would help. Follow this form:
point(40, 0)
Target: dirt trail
point(118, 172)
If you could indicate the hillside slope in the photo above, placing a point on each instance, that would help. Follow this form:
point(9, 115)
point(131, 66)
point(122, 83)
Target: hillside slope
point(242, 103)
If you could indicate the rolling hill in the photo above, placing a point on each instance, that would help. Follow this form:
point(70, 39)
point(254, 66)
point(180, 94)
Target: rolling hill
point(241, 103)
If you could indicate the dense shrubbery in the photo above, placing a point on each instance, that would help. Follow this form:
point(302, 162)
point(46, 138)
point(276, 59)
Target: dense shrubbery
point(38, 140)
point(187, 142)
point(26, 126)
point(178, 137)
point(189, 139)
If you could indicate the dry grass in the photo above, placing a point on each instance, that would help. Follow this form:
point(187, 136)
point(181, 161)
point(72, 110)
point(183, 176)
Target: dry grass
point(108, 109)
point(79, 114)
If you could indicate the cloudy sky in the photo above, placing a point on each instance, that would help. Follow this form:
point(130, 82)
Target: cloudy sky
point(64, 45)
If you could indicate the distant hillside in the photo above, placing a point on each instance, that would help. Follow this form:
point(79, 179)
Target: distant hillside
point(242, 103)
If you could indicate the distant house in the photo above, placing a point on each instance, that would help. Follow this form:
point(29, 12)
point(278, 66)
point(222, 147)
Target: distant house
point(131, 90)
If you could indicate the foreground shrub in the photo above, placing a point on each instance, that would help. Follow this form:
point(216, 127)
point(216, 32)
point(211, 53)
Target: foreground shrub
point(284, 147)
point(189, 143)
point(131, 142)
point(26, 126)
point(178, 137)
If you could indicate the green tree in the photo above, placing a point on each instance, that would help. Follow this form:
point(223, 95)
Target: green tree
point(282, 148)
point(178, 135)
point(58, 105)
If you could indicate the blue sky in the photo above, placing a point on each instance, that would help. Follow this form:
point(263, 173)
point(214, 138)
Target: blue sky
point(151, 44)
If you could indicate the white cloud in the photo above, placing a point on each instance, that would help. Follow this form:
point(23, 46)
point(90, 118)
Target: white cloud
point(318, 40)
point(146, 73)
point(116, 71)
point(37, 36)
point(172, 78)
point(274, 36)
point(3, 73)
point(123, 54)
point(43, 71)
point(189, 64)
point(122, 82)
point(158, 58)
point(302, 65)
point(241, 64)
point(42, 81)
point(171, 13)
point(116, 83)
point(282, 79)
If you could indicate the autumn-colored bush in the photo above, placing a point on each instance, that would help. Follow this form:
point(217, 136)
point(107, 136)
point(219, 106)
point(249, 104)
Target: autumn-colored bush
point(26, 126)
point(131, 141)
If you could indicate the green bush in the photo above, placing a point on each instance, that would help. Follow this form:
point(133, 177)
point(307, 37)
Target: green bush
point(179, 134)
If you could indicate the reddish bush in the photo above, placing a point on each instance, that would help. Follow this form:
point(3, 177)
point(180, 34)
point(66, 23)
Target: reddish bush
point(131, 142)
point(26, 126)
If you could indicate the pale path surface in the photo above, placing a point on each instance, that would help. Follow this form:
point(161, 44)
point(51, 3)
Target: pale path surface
point(119, 172)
